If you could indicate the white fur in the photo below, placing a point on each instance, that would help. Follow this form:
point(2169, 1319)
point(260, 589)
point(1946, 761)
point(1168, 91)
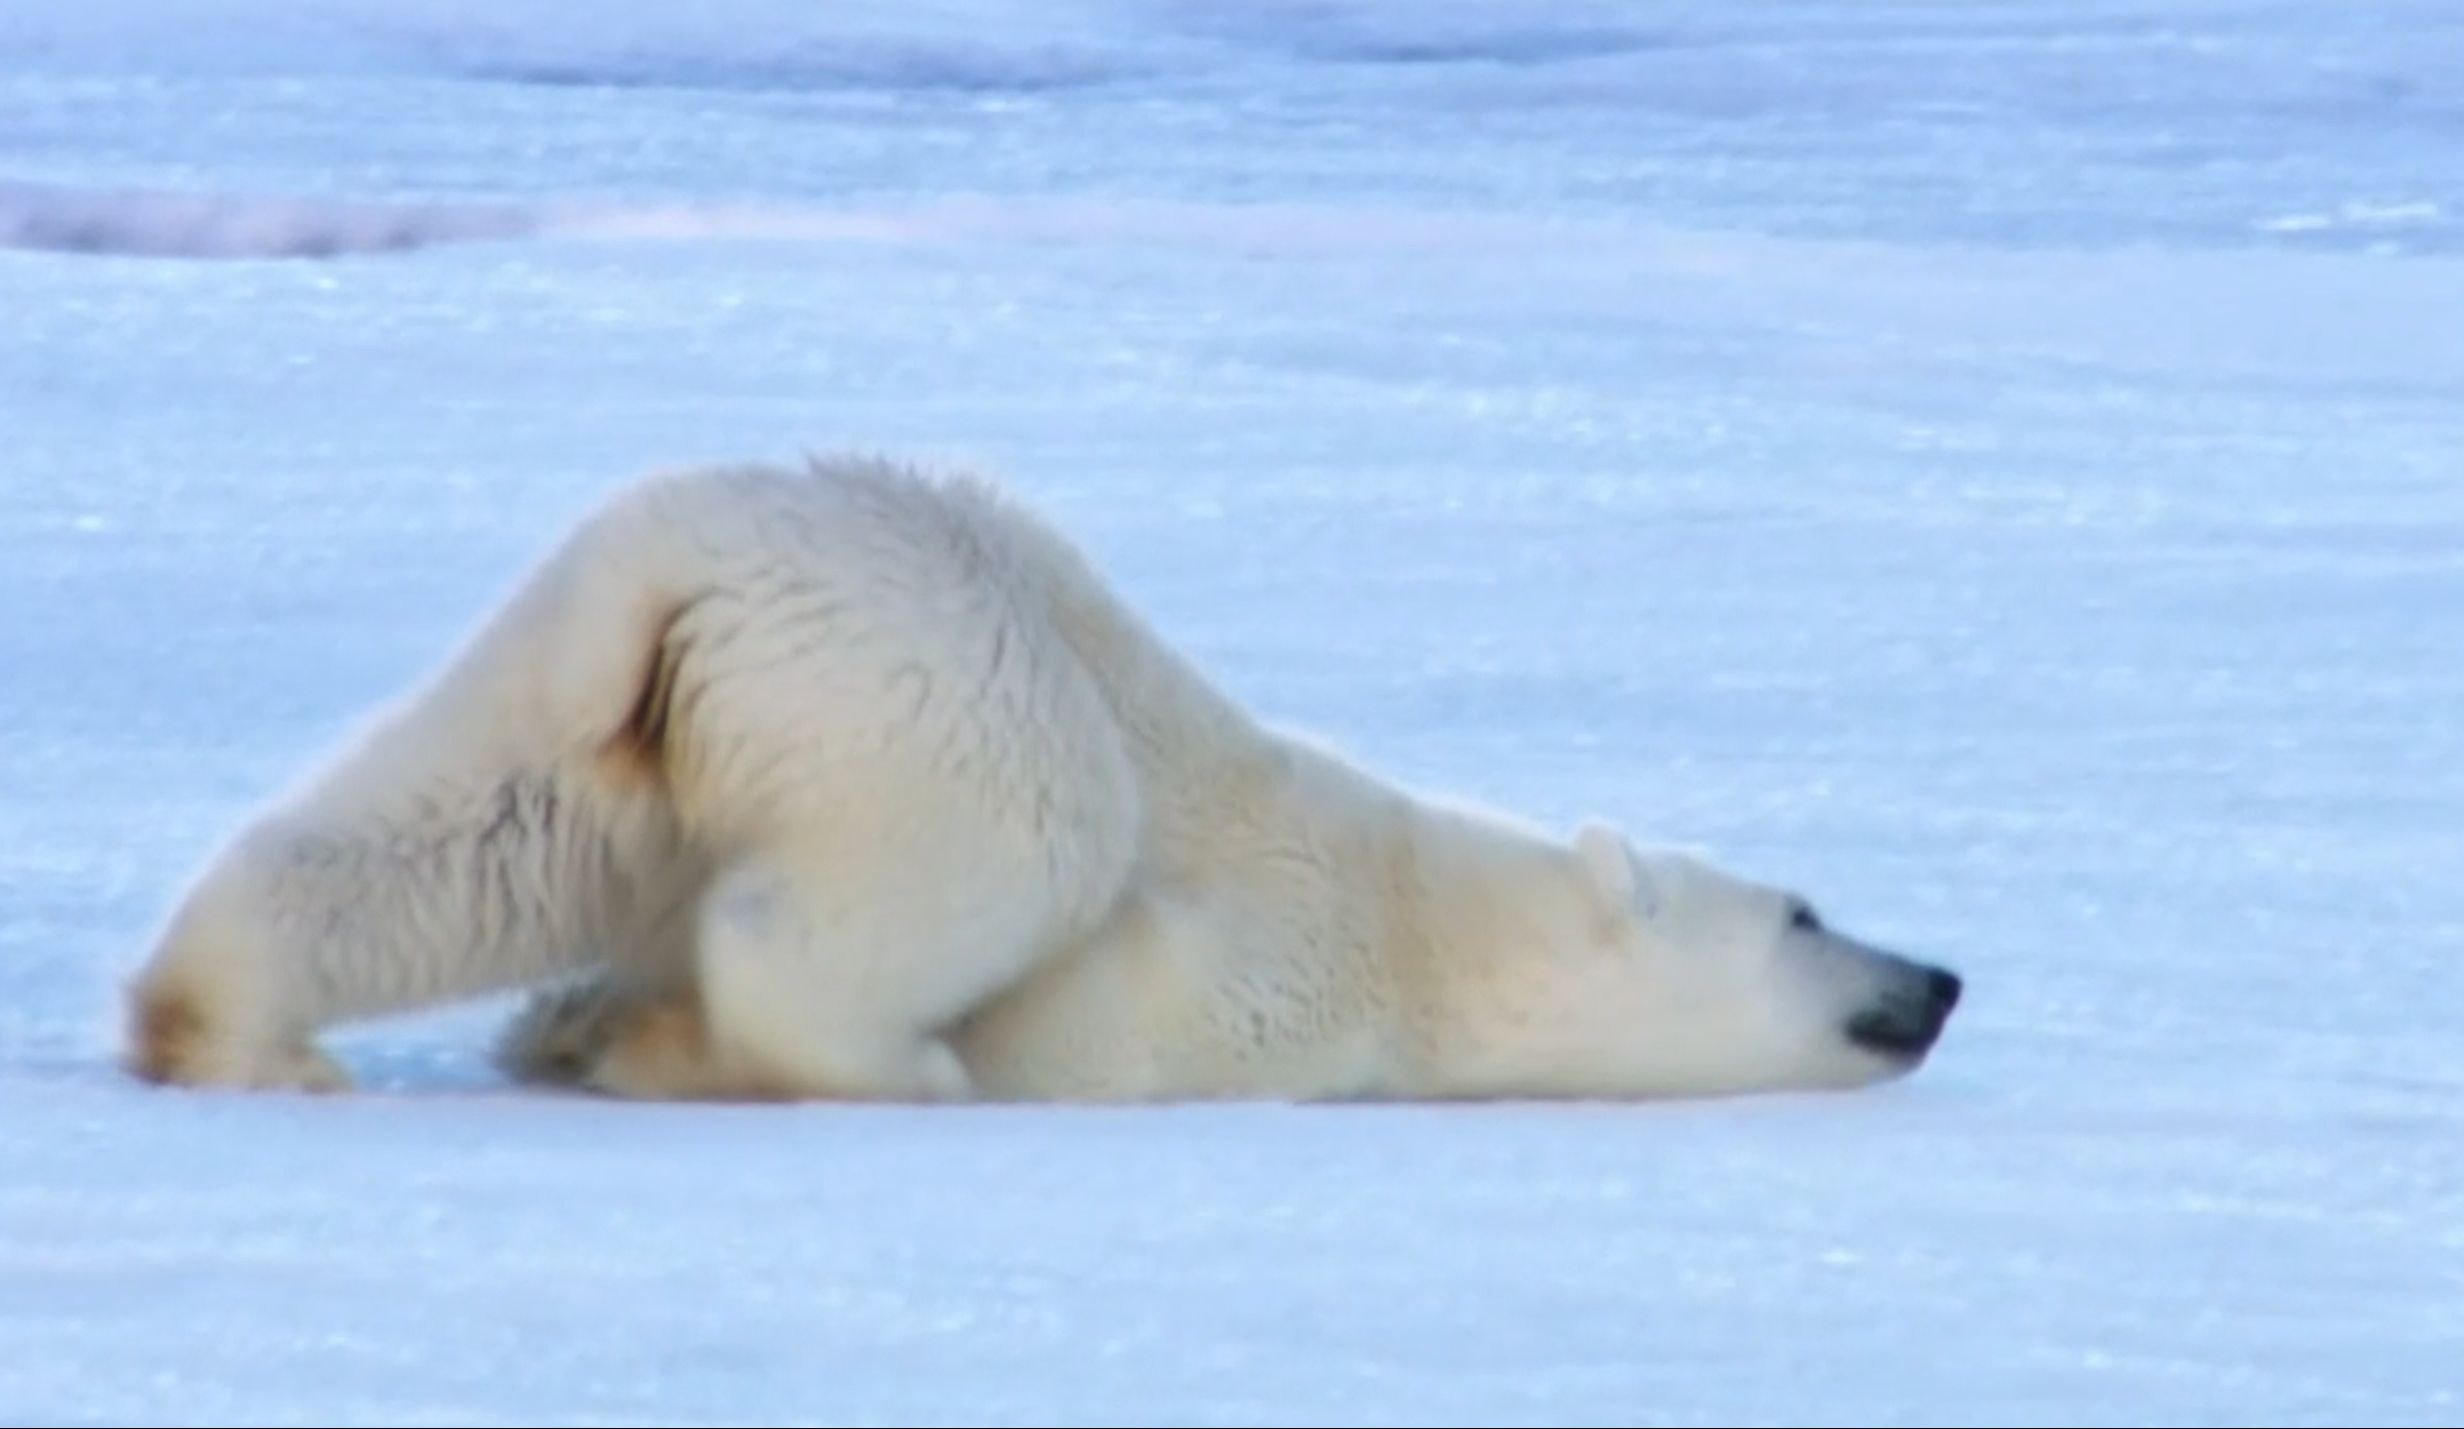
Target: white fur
point(857, 782)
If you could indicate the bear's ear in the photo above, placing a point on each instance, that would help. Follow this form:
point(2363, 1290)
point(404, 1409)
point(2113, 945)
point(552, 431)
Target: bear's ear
point(1608, 865)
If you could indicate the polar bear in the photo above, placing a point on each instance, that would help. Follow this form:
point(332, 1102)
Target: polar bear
point(856, 781)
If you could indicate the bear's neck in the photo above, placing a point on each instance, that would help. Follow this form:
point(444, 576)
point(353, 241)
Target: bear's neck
point(1483, 894)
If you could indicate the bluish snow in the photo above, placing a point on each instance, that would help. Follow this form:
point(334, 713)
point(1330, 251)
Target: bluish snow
point(1999, 468)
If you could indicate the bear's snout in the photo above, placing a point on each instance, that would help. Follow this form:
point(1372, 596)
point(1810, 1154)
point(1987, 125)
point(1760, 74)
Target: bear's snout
point(1907, 1019)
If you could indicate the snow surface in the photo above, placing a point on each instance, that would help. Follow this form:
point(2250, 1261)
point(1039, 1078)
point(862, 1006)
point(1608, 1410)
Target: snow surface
point(1997, 467)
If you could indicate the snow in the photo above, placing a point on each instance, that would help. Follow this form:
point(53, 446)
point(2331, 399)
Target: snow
point(1998, 468)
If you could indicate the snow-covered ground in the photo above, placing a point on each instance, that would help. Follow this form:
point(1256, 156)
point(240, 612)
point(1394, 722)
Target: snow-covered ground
point(1998, 467)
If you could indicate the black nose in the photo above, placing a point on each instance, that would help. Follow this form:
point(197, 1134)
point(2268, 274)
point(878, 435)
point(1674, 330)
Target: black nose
point(1908, 1018)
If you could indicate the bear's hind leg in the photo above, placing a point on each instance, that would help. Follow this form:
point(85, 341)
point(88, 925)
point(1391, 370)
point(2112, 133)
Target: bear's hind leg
point(662, 1048)
point(655, 1045)
point(565, 1028)
point(627, 1039)
point(771, 1009)
point(808, 997)
point(561, 1033)
point(176, 1038)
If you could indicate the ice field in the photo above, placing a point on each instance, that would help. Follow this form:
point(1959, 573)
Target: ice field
point(1998, 468)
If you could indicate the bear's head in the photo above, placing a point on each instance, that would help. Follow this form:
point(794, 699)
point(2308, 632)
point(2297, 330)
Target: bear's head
point(1658, 974)
point(1737, 986)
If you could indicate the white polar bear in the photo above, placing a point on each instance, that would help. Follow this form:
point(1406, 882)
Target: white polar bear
point(857, 782)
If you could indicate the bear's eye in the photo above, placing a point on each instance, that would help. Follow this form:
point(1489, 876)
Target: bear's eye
point(1802, 919)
